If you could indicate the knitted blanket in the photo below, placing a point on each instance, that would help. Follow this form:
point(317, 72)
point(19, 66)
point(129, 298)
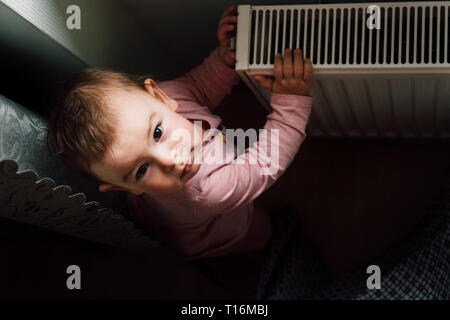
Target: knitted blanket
point(416, 267)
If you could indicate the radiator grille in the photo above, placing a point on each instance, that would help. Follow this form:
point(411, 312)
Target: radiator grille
point(409, 34)
point(387, 82)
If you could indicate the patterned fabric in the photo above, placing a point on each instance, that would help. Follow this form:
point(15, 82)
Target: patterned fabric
point(44, 204)
point(417, 267)
point(23, 139)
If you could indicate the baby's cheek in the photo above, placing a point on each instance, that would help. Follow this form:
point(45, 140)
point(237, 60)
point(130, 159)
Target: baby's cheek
point(170, 187)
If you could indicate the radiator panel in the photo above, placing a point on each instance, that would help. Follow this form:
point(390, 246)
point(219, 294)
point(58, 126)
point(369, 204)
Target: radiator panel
point(380, 107)
point(387, 82)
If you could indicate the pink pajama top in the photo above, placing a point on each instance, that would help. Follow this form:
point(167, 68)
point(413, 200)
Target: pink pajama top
point(215, 207)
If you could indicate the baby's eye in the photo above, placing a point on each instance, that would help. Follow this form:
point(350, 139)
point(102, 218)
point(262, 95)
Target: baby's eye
point(158, 132)
point(141, 171)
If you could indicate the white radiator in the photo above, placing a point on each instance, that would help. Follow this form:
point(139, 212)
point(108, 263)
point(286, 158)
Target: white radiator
point(388, 82)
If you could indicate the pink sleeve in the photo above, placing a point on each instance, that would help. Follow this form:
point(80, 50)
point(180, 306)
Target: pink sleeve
point(241, 180)
point(206, 84)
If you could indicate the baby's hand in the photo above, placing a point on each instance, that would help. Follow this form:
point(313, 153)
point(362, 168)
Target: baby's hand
point(225, 31)
point(290, 78)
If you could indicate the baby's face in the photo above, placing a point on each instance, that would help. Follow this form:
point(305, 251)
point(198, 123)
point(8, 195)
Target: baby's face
point(153, 144)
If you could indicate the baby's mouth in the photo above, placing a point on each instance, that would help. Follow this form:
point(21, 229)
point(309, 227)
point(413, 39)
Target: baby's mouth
point(188, 166)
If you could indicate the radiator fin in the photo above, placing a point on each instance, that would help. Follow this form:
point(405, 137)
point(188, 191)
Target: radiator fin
point(408, 34)
point(393, 81)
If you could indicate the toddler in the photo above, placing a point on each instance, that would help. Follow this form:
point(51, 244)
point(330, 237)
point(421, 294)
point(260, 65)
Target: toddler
point(123, 131)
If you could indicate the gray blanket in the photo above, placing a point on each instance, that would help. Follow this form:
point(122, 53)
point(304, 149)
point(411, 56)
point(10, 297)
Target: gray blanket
point(417, 267)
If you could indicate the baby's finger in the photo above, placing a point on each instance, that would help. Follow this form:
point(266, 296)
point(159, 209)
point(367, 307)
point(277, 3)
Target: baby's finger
point(230, 10)
point(287, 65)
point(298, 64)
point(230, 58)
point(264, 81)
point(307, 74)
point(230, 53)
point(227, 27)
point(278, 67)
point(223, 32)
point(228, 20)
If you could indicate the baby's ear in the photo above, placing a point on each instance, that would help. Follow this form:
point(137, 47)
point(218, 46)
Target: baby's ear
point(173, 105)
point(110, 187)
point(149, 85)
point(152, 88)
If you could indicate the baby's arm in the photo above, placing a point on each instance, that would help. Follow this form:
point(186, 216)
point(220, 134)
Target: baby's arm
point(240, 182)
point(208, 83)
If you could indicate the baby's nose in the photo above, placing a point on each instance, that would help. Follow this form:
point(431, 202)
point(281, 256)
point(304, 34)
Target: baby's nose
point(164, 159)
point(168, 157)
point(179, 155)
point(166, 163)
